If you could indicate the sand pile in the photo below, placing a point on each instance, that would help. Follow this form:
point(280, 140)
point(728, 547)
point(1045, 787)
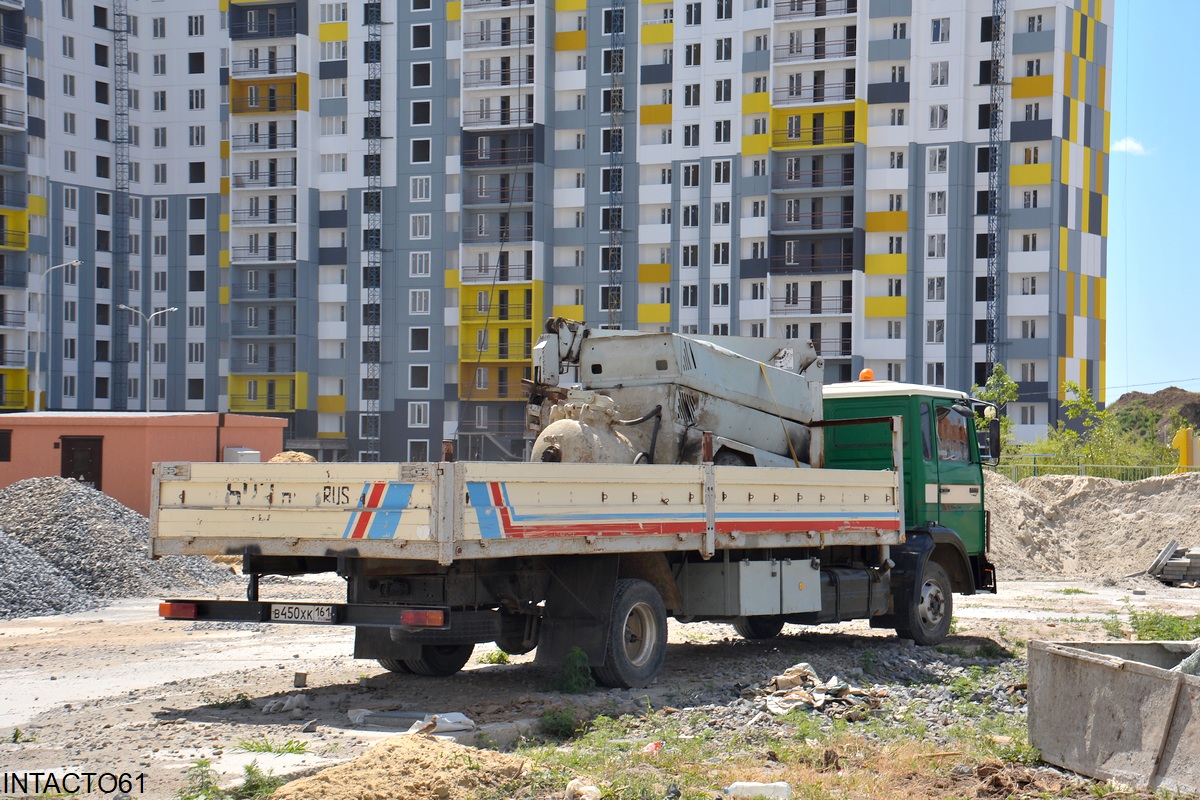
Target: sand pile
point(1076, 526)
point(413, 768)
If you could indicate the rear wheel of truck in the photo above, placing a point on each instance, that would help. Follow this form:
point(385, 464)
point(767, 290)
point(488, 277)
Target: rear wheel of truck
point(637, 636)
point(927, 619)
point(440, 660)
point(758, 627)
point(394, 665)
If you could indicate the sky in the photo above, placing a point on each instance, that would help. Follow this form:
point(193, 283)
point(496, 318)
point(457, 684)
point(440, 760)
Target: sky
point(1153, 220)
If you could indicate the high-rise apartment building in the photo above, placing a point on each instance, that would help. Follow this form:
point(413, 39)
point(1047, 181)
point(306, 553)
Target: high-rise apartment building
point(358, 214)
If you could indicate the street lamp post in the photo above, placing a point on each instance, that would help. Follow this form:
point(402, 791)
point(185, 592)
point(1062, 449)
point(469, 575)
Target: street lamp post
point(44, 333)
point(146, 320)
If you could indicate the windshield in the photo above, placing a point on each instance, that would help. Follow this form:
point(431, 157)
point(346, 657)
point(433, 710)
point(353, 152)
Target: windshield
point(953, 441)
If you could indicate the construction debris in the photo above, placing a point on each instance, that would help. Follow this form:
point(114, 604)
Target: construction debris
point(800, 687)
point(1179, 567)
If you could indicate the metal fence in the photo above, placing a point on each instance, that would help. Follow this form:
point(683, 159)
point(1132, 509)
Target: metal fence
point(1034, 466)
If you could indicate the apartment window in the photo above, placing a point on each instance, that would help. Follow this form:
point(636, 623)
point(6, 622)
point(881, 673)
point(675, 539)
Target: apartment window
point(195, 99)
point(691, 135)
point(69, 85)
point(69, 311)
point(725, 49)
point(939, 73)
point(196, 136)
point(68, 46)
point(613, 61)
point(939, 117)
point(690, 255)
point(1033, 23)
point(897, 116)
point(941, 29)
point(691, 216)
point(935, 289)
point(895, 329)
point(722, 171)
point(896, 159)
point(160, 173)
point(196, 172)
point(1031, 155)
point(938, 157)
point(720, 254)
point(195, 352)
point(160, 137)
point(333, 51)
point(895, 245)
point(722, 131)
point(1029, 329)
point(1029, 242)
point(691, 14)
point(1030, 199)
point(937, 245)
point(691, 94)
point(720, 294)
point(158, 208)
point(160, 100)
point(937, 204)
point(1033, 111)
point(724, 9)
point(160, 247)
point(70, 198)
point(421, 151)
point(196, 25)
point(100, 54)
point(68, 12)
point(720, 213)
point(935, 373)
point(69, 122)
point(418, 301)
point(935, 331)
point(1028, 371)
point(724, 90)
point(612, 100)
point(102, 92)
point(158, 27)
point(1033, 67)
point(898, 74)
point(689, 295)
point(422, 74)
point(70, 236)
point(195, 316)
point(418, 414)
point(691, 55)
point(610, 298)
point(895, 202)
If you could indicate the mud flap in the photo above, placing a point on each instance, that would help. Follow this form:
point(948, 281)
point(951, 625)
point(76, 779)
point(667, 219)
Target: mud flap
point(578, 605)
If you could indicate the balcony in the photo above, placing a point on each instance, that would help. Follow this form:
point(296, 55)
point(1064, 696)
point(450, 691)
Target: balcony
point(10, 117)
point(513, 37)
point(12, 358)
point(492, 4)
point(832, 347)
point(263, 29)
point(832, 304)
point(263, 253)
point(512, 312)
point(263, 67)
point(821, 93)
point(498, 196)
point(11, 198)
point(499, 234)
point(809, 9)
point(16, 5)
point(482, 157)
point(255, 292)
point(812, 263)
point(263, 330)
point(814, 137)
point(264, 366)
point(264, 216)
point(14, 159)
point(262, 401)
point(814, 179)
point(13, 240)
point(494, 273)
point(469, 353)
point(12, 398)
point(12, 319)
point(13, 279)
point(259, 180)
point(497, 118)
point(263, 105)
point(12, 37)
point(816, 51)
point(812, 221)
point(480, 79)
point(277, 141)
point(12, 77)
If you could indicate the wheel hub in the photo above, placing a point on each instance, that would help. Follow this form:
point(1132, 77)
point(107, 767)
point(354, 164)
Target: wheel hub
point(641, 632)
point(933, 604)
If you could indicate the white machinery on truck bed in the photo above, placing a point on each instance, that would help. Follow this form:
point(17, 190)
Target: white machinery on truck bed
point(660, 517)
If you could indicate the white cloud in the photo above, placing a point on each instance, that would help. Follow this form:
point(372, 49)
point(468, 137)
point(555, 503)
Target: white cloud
point(1129, 145)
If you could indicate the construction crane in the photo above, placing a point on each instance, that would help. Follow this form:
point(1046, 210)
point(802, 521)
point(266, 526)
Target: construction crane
point(996, 183)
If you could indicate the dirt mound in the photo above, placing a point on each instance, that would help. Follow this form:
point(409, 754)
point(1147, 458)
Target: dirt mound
point(412, 768)
point(1077, 526)
point(291, 457)
point(1155, 412)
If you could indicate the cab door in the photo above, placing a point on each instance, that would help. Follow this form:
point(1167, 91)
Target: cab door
point(959, 492)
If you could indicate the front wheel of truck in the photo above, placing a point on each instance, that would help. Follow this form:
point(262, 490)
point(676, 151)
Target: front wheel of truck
point(927, 619)
point(758, 627)
point(440, 660)
point(637, 636)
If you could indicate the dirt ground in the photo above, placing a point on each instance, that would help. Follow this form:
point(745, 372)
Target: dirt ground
point(119, 690)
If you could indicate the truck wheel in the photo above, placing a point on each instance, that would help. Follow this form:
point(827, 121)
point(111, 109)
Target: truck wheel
point(440, 660)
point(730, 458)
point(394, 665)
point(637, 636)
point(758, 627)
point(927, 619)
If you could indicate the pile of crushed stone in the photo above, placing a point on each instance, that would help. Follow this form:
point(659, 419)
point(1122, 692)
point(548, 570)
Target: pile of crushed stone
point(413, 768)
point(1076, 526)
point(65, 547)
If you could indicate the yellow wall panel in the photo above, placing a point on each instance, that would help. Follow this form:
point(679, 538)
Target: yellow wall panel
point(654, 313)
point(886, 264)
point(334, 31)
point(654, 273)
point(1104, 215)
point(756, 144)
point(568, 312)
point(224, 186)
point(223, 259)
point(302, 91)
point(756, 103)
point(300, 401)
point(1107, 129)
point(1068, 74)
point(656, 115)
point(655, 2)
point(570, 5)
point(331, 404)
point(1076, 21)
point(450, 279)
point(1081, 79)
point(570, 40)
point(1071, 305)
point(1062, 249)
point(225, 149)
point(37, 205)
point(658, 33)
point(885, 306)
point(1029, 174)
point(454, 10)
point(878, 221)
point(1100, 299)
point(1035, 86)
point(223, 296)
point(224, 223)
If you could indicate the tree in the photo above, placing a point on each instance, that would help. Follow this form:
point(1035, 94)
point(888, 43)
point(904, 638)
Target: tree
point(1092, 435)
point(1000, 389)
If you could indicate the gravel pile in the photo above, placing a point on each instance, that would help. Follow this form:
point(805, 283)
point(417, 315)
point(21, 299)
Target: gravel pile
point(66, 547)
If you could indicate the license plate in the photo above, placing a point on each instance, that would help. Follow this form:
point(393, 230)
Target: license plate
point(288, 612)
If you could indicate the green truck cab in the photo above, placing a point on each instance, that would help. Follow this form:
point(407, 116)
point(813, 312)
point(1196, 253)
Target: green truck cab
point(943, 453)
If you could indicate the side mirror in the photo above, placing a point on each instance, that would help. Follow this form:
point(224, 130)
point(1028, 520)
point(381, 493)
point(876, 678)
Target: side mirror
point(991, 452)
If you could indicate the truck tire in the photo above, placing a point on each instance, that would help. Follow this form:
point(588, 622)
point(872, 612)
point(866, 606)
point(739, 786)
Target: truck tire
point(637, 636)
point(731, 458)
point(394, 665)
point(440, 660)
point(927, 619)
point(758, 627)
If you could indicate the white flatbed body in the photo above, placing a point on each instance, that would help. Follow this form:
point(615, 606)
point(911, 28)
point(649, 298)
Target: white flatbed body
point(449, 511)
